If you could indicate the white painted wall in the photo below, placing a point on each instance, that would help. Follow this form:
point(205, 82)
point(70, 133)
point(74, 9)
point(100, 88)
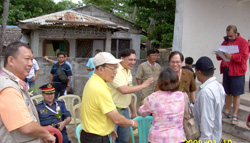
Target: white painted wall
point(204, 26)
point(135, 41)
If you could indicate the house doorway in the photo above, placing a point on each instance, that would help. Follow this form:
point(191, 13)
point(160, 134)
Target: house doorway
point(53, 47)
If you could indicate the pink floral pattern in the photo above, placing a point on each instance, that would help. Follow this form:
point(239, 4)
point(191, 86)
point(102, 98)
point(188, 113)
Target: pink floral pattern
point(167, 109)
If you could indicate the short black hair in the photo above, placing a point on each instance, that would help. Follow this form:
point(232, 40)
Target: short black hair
point(208, 73)
point(189, 60)
point(168, 80)
point(176, 53)
point(12, 50)
point(103, 65)
point(60, 53)
point(151, 51)
point(127, 52)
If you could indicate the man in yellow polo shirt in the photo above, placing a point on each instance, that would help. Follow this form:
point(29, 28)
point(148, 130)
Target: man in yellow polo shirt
point(98, 112)
point(121, 89)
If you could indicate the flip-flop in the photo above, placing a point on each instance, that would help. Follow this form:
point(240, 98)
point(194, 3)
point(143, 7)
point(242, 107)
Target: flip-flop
point(226, 115)
point(234, 120)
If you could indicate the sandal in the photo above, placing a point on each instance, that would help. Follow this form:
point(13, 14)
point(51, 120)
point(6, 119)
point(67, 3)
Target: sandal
point(226, 115)
point(234, 120)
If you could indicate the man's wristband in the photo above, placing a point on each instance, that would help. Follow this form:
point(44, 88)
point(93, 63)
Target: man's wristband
point(133, 123)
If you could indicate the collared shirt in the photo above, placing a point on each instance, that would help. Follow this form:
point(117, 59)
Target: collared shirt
point(208, 108)
point(68, 63)
point(47, 114)
point(187, 82)
point(65, 68)
point(90, 64)
point(96, 103)
point(123, 77)
point(34, 68)
point(145, 71)
point(168, 111)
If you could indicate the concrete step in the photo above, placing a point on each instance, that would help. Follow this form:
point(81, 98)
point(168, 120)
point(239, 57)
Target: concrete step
point(245, 99)
point(227, 138)
point(240, 131)
point(243, 112)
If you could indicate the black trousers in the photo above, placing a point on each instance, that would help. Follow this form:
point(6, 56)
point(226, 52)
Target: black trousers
point(93, 138)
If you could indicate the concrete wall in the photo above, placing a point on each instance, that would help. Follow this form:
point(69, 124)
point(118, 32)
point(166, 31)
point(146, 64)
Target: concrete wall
point(80, 74)
point(134, 43)
point(201, 24)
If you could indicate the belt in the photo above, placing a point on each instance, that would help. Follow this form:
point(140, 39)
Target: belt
point(118, 108)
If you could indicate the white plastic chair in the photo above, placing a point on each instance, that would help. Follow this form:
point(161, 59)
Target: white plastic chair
point(135, 102)
point(37, 98)
point(76, 114)
point(70, 100)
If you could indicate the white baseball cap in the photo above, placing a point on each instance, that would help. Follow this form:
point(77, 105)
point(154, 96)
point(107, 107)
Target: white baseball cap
point(105, 58)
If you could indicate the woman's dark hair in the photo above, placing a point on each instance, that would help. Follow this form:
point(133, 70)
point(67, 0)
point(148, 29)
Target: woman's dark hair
point(168, 80)
point(12, 50)
point(176, 53)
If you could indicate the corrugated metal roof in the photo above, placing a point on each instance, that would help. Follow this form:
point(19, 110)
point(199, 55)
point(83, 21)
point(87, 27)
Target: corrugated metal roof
point(70, 17)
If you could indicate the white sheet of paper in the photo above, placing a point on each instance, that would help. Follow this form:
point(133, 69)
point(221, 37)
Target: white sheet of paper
point(229, 49)
point(220, 53)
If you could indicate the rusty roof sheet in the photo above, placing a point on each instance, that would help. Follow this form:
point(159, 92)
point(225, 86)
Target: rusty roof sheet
point(70, 17)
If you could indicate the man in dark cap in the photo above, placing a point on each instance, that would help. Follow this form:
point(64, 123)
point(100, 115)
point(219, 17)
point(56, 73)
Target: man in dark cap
point(53, 112)
point(209, 102)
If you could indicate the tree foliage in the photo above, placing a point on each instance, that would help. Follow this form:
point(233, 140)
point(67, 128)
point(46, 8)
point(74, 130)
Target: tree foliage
point(162, 11)
point(120, 8)
point(24, 9)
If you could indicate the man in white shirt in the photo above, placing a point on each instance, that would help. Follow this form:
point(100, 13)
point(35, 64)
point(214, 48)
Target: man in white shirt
point(31, 78)
point(209, 102)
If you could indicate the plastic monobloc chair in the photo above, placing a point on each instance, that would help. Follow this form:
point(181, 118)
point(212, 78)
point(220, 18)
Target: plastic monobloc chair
point(56, 132)
point(144, 125)
point(78, 131)
point(36, 98)
point(75, 114)
point(70, 100)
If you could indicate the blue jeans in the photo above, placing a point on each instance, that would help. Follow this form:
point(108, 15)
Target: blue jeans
point(123, 132)
point(30, 82)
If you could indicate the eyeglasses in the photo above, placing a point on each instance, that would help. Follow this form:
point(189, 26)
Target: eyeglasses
point(175, 62)
point(112, 68)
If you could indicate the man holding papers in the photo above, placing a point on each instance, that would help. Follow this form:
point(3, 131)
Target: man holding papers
point(233, 66)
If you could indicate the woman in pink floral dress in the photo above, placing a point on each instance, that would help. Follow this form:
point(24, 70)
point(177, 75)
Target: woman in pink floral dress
point(167, 108)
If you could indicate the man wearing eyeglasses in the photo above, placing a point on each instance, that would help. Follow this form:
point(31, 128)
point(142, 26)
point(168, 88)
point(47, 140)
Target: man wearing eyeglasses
point(98, 111)
point(121, 89)
point(234, 71)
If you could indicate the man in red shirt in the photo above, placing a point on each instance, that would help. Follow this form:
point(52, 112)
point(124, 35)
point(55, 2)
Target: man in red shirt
point(234, 71)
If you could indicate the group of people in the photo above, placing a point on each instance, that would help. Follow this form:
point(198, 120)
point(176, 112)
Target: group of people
point(106, 98)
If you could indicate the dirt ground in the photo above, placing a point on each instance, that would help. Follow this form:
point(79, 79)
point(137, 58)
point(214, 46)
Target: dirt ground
point(71, 133)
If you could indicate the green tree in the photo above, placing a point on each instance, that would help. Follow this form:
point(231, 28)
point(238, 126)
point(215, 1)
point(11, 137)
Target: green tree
point(160, 13)
point(24, 9)
point(120, 8)
point(163, 13)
